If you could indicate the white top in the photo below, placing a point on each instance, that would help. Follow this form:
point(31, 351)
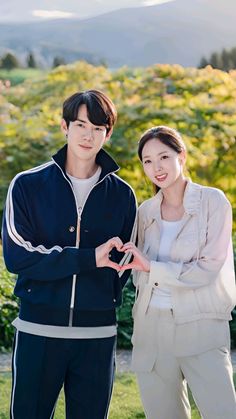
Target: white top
point(161, 297)
point(82, 188)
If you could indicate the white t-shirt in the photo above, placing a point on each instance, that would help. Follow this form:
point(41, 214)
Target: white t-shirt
point(161, 296)
point(82, 187)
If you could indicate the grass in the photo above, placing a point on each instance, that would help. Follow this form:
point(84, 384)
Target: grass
point(125, 403)
point(18, 75)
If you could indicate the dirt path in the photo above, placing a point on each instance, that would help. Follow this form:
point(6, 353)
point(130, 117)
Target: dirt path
point(123, 359)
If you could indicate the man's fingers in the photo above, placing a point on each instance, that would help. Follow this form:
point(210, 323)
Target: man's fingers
point(115, 242)
point(113, 265)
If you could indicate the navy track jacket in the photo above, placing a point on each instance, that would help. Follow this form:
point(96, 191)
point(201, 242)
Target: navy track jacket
point(58, 282)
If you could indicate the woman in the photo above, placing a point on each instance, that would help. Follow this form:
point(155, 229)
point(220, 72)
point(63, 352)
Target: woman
point(186, 288)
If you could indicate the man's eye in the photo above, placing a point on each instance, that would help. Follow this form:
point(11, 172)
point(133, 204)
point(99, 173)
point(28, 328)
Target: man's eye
point(80, 125)
point(147, 161)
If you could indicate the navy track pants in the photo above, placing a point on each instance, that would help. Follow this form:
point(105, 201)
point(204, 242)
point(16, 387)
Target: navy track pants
point(42, 365)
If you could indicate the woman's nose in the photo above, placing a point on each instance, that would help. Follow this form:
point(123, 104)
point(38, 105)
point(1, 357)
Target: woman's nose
point(157, 167)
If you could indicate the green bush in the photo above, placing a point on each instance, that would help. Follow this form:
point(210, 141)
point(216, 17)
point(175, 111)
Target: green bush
point(124, 317)
point(19, 75)
point(8, 307)
point(232, 324)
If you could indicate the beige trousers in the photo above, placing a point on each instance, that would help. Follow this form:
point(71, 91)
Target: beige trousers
point(208, 374)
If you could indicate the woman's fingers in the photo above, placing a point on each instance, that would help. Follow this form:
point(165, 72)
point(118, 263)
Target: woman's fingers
point(128, 266)
point(133, 251)
point(128, 245)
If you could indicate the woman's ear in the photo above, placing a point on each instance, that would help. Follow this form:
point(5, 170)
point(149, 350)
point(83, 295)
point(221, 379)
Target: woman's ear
point(182, 157)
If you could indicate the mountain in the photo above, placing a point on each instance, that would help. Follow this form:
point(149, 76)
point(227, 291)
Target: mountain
point(180, 32)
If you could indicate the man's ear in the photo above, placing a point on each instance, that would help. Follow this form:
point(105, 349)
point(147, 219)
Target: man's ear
point(64, 127)
point(109, 134)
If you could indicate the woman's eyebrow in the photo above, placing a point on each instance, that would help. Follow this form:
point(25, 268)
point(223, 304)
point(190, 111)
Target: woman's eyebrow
point(162, 152)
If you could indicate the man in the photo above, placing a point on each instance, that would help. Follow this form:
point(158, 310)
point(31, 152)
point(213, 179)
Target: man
point(64, 225)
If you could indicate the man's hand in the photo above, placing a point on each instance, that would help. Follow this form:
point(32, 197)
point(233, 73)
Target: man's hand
point(139, 262)
point(102, 253)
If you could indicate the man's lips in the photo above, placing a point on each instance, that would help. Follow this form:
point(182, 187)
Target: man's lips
point(161, 178)
point(85, 147)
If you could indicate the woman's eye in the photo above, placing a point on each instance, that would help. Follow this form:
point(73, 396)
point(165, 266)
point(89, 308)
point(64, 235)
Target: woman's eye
point(146, 161)
point(80, 125)
point(164, 157)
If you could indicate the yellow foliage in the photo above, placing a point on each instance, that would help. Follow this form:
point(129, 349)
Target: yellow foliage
point(200, 103)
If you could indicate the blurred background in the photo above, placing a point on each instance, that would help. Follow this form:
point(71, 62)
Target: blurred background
point(169, 62)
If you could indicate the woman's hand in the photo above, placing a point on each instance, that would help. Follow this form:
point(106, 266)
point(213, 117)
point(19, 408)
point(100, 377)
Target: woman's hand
point(139, 263)
point(102, 253)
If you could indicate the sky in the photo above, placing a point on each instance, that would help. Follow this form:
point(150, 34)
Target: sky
point(31, 10)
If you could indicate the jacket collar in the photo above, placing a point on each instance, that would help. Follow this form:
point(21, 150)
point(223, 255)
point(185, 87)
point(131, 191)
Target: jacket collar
point(103, 159)
point(192, 198)
point(191, 201)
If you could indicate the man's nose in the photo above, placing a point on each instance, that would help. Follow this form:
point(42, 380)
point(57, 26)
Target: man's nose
point(88, 134)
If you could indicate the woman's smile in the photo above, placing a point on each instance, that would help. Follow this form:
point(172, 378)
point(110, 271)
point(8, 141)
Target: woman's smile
point(161, 178)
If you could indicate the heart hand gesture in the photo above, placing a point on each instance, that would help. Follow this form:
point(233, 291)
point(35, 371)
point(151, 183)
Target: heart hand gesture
point(102, 253)
point(139, 263)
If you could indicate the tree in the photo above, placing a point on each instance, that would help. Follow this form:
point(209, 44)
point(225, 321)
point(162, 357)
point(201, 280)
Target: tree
point(224, 60)
point(203, 63)
point(225, 55)
point(233, 56)
point(216, 60)
point(31, 62)
point(9, 61)
point(58, 61)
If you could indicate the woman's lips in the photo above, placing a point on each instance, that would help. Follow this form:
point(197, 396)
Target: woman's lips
point(161, 178)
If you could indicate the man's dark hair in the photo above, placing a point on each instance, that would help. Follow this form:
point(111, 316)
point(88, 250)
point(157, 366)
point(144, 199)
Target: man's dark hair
point(101, 110)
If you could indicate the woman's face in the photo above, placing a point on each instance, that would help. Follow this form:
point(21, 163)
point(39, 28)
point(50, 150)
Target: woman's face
point(161, 163)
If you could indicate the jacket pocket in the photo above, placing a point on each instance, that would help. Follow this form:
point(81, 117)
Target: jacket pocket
point(187, 246)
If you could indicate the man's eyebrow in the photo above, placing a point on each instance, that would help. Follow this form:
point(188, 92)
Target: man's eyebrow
point(81, 120)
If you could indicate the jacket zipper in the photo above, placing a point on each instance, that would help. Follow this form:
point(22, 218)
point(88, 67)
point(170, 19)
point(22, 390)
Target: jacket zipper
point(79, 211)
point(72, 300)
point(79, 215)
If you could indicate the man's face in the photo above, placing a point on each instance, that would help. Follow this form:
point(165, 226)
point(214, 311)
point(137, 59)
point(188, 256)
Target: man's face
point(84, 139)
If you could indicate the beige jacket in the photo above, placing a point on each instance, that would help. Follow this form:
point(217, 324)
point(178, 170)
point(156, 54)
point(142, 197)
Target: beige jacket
point(201, 272)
